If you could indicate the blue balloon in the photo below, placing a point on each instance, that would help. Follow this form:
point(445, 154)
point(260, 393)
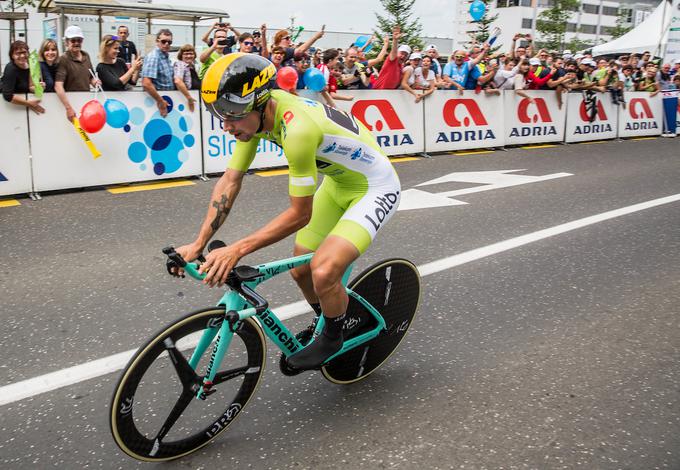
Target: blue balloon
point(361, 40)
point(477, 10)
point(314, 79)
point(117, 114)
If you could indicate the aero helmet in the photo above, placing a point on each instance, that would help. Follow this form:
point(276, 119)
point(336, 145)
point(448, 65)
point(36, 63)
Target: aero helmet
point(237, 84)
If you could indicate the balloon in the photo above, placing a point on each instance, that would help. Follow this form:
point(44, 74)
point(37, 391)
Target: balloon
point(361, 40)
point(477, 10)
point(92, 116)
point(314, 79)
point(286, 78)
point(117, 114)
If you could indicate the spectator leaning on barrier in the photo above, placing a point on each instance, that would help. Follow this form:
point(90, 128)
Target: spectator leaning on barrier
point(611, 81)
point(389, 77)
point(459, 73)
point(627, 79)
point(419, 78)
point(503, 77)
point(48, 54)
point(185, 75)
point(520, 79)
point(127, 50)
point(432, 52)
point(112, 71)
point(75, 69)
point(664, 76)
point(157, 70)
point(16, 79)
point(485, 80)
point(649, 82)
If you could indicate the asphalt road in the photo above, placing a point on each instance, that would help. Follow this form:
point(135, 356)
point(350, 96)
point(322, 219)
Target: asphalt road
point(563, 352)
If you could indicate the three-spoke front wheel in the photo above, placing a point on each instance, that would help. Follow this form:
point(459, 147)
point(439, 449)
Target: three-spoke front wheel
point(155, 414)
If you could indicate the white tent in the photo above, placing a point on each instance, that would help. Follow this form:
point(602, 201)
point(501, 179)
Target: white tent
point(650, 35)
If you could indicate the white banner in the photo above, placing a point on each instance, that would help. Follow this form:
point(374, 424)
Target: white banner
point(145, 147)
point(580, 128)
point(643, 115)
point(533, 123)
point(218, 146)
point(672, 52)
point(392, 116)
point(15, 165)
point(456, 122)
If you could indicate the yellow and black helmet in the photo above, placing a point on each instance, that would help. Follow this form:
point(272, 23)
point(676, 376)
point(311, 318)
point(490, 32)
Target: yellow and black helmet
point(237, 84)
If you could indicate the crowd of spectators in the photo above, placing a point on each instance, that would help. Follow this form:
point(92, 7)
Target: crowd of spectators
point(395, 66)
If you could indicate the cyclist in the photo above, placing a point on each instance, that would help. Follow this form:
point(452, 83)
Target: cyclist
point(359, 193)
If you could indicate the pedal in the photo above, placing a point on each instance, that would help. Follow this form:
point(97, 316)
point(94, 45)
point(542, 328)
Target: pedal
point(303, 337)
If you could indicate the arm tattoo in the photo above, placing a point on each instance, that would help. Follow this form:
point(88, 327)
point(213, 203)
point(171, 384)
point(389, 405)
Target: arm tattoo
point(222, 212)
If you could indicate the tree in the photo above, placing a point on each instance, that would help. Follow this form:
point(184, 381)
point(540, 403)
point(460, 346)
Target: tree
point(621, 21)
point(399, 12)
point(481, 35)
point(552, 23)
point(576, 44)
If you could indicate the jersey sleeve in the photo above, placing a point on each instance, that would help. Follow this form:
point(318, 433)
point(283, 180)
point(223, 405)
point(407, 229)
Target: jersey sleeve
point(244, 154)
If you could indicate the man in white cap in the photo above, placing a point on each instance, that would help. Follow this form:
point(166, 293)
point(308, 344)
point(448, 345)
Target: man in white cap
point(75, 69)
point(390, 73)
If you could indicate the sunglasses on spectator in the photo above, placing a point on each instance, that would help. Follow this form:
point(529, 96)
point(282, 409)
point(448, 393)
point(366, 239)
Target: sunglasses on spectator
point(76, 39)
point(287, 37)
point(165, 41)
point(459, 57)
point(248, 43)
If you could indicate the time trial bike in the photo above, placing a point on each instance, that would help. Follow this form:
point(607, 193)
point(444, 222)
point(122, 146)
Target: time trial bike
point(189, 382)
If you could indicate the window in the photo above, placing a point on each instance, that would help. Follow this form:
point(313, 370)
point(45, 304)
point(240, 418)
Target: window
point(525, 3)
point(606, 30)
point(610, 11)
point(527, 23)
point(588, 28)
point(588, 8)
point(571, 27)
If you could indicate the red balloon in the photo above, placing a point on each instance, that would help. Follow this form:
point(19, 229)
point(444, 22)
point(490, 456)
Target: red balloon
point(92, 116)
point(287, 78)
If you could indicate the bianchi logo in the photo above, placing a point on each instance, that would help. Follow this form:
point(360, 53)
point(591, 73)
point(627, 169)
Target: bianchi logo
point(330, 148)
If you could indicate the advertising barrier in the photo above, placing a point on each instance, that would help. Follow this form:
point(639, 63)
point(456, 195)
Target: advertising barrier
point(580, 128)
point(15, 164)
point(643, 115)
point(394, 118)
point(534, 122)
point(142, 147)
point(136, 144)
point(456, 122)
point(218, 146)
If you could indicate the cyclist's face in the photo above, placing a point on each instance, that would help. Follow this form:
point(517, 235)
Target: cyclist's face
point(243, 129)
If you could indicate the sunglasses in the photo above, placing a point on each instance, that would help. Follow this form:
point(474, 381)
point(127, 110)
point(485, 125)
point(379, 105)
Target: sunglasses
point(287, 37)
point(248, 43)
point(165, 41)
point(76, 40)
point(459, 57)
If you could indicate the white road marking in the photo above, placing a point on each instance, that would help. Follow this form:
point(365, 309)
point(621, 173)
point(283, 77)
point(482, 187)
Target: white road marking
point(89, 370)
point(487, 180)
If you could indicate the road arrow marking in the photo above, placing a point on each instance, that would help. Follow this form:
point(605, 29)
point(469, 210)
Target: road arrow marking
point(487, 180)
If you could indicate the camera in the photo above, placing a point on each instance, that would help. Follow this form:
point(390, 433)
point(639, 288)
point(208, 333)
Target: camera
point(222, 25)
point(222, 42)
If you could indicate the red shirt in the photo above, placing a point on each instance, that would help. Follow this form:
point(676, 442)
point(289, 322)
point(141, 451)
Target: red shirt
point(390, 75)
point(536, 83)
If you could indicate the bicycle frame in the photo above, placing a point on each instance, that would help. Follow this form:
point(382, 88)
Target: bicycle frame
point(272, 326)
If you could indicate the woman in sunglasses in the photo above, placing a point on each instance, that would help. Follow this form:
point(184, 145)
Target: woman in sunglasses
point(283, 39)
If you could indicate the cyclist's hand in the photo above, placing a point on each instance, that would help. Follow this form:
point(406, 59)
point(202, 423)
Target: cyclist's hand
point(219, 263)
point(189, 253)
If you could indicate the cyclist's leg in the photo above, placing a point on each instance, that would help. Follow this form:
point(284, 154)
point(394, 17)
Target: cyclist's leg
point(325, 215)
point(352, 235)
